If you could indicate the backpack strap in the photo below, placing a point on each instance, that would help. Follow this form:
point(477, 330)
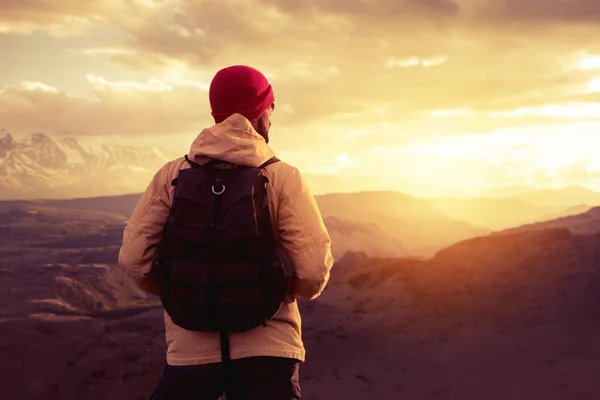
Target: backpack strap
point(216, 161)
point(269, 162)
point(226, 360)
point(192, 163)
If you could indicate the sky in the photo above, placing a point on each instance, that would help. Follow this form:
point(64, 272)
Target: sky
point(428, 97)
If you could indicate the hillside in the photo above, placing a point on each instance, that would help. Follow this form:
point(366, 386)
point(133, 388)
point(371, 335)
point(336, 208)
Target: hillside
point(497, 214)
point(63, 261)
point(565, 197)
point(422, 228)
point(585, 223)
point(365, 238)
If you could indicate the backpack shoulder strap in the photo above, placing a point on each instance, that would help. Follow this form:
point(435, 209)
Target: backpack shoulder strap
point(192, 163)
point(215, 161)
point(269, 162)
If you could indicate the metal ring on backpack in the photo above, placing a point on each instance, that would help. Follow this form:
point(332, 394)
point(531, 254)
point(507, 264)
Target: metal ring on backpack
point(220, 192)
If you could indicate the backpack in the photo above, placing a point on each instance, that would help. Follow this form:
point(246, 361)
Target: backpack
point(218, 265)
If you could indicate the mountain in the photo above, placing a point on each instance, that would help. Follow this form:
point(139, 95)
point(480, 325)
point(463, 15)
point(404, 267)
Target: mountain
point(121, 205)
point(42, 167)
point(382, 224)
point(580, 224)
point(507, 191)
point(499, 213)
point(347, 236)
point(322, 184)
point(365, 238)
point(565, 197)
point(422, 228)
point(570, 211)
point(492, 277)
point(537, 276)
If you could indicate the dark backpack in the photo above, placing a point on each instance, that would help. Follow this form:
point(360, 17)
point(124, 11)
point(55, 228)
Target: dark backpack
point(218, 265)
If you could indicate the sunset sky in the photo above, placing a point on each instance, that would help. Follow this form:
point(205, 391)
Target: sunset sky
point(429, 97)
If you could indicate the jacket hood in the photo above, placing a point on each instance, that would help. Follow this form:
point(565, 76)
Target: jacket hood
point(234, 141)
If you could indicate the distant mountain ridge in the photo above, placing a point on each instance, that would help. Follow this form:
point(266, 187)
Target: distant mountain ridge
point(587, 223)
point(570, 196)
point(365, 238)
point(501, 213)
point(377, 224)
point(42, 167)
point(422, 228)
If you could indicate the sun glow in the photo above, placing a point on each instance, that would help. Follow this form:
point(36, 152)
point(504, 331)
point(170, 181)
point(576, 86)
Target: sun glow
point(592, 62)
point(594, 86)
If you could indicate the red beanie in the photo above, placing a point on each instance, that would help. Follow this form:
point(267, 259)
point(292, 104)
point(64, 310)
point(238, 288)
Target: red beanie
point(242, 90)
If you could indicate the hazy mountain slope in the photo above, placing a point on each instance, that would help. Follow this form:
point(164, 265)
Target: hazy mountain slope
point(51, 215)
point(43, 167)
point(585, 223)
point(507, 191)
point(574, 210)
point(422, 228)
point(365, 238)
point(495, 213)
point(121, 205)
point(564, 197)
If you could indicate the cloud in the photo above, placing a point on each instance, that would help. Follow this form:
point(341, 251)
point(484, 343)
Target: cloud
point(153, 24)
point(335, 165)
point(322, 166)
point(577, 111)
point(336, 66)
point(101, 51)
point(537, 156)
point(99, 84)
point(384, 9)
point(59, 17)
point(590, 62)
point(116, 108)
point(39, 87)
point(587, 11)
point(415, 62)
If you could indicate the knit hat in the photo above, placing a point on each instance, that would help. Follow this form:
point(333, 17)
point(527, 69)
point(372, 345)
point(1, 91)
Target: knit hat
point(239, 89)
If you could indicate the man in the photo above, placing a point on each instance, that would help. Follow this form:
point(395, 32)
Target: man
point(264, 360)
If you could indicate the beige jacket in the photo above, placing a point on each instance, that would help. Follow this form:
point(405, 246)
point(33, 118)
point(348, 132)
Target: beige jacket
point(295, 217)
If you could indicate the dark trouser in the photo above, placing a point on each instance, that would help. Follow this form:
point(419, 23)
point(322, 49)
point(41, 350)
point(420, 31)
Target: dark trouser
point(264, 378)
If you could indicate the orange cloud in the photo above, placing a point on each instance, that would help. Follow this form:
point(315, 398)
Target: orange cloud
point(116, 108)
point(587, 11)
point(59, 17)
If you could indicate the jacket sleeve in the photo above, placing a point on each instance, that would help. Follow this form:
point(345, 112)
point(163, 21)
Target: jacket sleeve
point(303, 234)
point(144, 230)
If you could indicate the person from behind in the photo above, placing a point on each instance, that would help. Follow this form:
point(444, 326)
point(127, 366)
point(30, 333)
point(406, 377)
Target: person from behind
point(229, 237)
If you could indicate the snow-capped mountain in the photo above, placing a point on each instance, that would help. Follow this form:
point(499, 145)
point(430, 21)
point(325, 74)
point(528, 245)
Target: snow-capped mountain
point(43, 167)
